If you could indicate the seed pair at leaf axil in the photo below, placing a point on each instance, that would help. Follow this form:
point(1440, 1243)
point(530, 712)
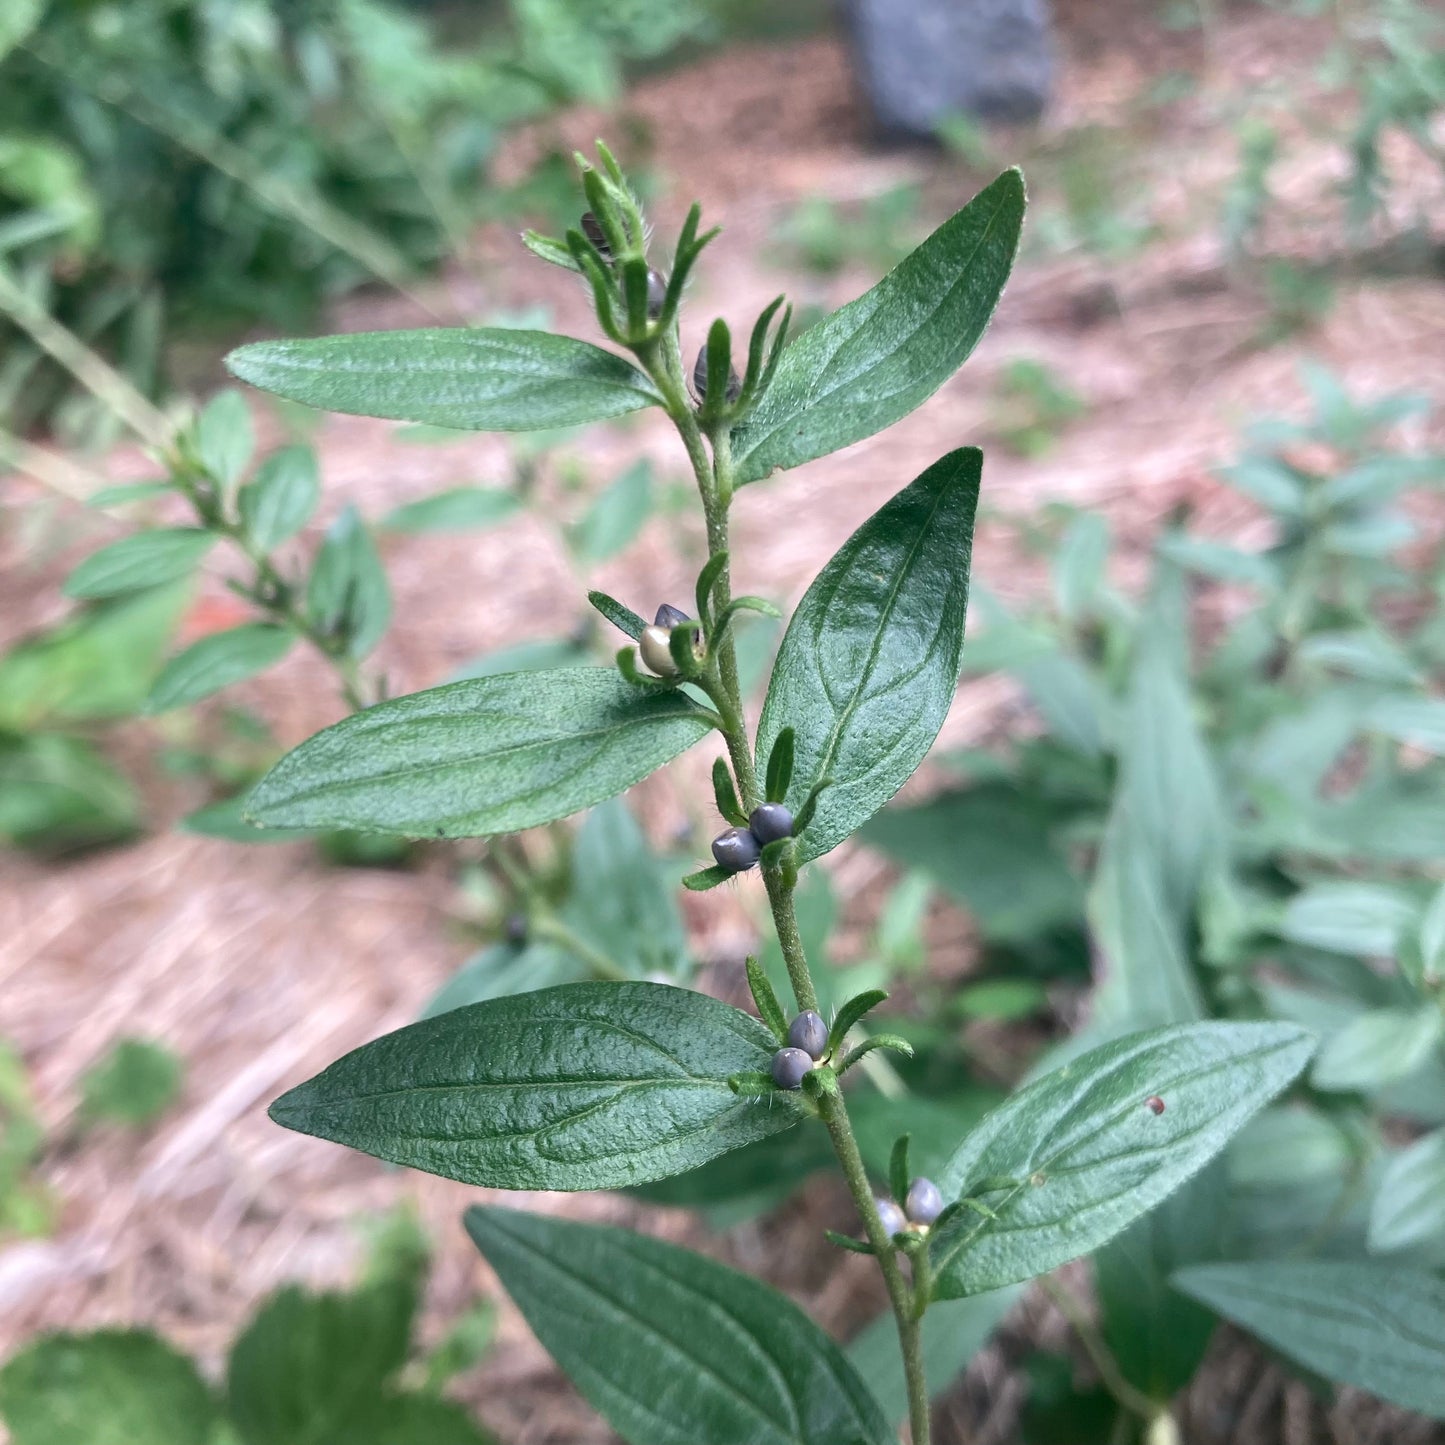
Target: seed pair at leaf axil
point(923, 1205)
point(655, 643)
point(738, 849)
point(807, 1047)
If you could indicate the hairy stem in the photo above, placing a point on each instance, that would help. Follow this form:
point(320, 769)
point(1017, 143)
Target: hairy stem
point(715, 486)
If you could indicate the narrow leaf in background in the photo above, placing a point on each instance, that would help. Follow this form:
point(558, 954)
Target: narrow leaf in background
point(876, 359)
point(280, 499)
point(144, 560)
point(870, 661)
point(347, 595)
point(487, 755)
point(1376, 1326)
point(672, 1348)
point(483, 379)
point(1087, 1152)
point(455, 510)
point(584, 1086)
point(615, 518)
point(218, 661)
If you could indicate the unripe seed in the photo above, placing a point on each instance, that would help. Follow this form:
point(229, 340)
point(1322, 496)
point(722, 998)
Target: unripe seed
point(731, 392)
point(737, 851)
point(656, 294)
point(592, 229)
point(808, 1032)
point(892, 1217)
point(655, 645)
point(924, 1203)
point(770, 822)
point(789, 1066)
point(669, 616)
point(516, 927)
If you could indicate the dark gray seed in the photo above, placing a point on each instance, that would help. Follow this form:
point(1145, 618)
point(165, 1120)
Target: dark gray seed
point(736, 850)
point(731, 392)
point(770, 822)
point(592, 229)
point(924, 1203)
point(656, 294)
point(892, 1217)
point(809, 1033)
point(669, 616)
point(789, 1066)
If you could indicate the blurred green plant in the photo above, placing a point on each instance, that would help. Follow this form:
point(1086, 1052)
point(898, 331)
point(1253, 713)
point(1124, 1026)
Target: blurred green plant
point(26, 1208)
point(133, 1084)
point(1032, 405)
point(308, 1369)
point(824, 236)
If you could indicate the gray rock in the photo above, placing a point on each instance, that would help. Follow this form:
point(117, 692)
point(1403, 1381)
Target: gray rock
point(921, 61)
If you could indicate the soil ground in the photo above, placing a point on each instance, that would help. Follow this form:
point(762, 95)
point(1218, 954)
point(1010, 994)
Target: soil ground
point(259, 966)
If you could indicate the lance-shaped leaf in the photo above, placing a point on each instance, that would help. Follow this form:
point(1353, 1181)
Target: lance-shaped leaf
point(218, 661)
point(1071, 1159)
point(487, 755)
point(873, 361)
point(280, 500)
point(870, 661)
point(1379, 1327)
point(473, 379)
point(672, 1348)
point(145, 560)
point(583, 1086)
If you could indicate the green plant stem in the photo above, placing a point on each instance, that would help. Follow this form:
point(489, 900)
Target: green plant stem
point(715, 486)
point(1100, 1356)
point(549, 926)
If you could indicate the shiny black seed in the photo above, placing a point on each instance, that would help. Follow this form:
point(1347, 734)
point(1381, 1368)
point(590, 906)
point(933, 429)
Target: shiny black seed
point(592, 229)
point(892, 1217)
point(770, 822)
point(669, 616)
point(924, 1203)
point(809, 1033)
point(656, 294)
point(736, 850)
point(789, 1066)
point(734, 387)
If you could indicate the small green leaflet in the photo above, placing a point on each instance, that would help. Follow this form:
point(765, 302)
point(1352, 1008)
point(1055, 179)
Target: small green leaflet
point(672, 1348)
point(486, 755)
point(482, 379)
point(455, 510)
point(1409, 1206)
point(280, 499)
point(224, 437)
point(870, 661)
point(1376, 1326)
point(1086, 1153)
point(145, 560)
point(583, 1086)
point(616, 516)
point(348, 595)
point(870, 363)
point(216, 662)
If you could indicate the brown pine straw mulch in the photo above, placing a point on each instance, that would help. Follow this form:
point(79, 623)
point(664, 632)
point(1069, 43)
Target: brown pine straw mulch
point(259, 966)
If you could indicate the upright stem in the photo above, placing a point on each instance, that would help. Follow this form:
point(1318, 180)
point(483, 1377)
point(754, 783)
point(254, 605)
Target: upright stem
point(715, 486)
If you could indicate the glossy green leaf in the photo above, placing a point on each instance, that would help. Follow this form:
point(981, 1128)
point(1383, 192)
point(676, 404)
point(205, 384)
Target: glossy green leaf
point(114, 1387)
point(313, 1367)
point(953, 1333)
point(1088, 1155)
point(482, 379)
point(585, 1086)
point(348, 596)
point(281, 498)
point(145, 560)
point(455, 510)
point(870, 660)
point(616, 516)
point(217, 661)
point(224, 437)
point(1377, 1048)
point(876, 359)
point(489, 755)
point(1376, 1326)
point(672, 1348)
point(1409, 1206)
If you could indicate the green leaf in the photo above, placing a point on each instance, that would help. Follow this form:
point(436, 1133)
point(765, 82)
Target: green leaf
point(1419, 721)
point(1087, 1153)
point(622, 618)
point(455, 510)
point(347, 594)
point(135, 1083)
point(541, 654)
point(586, 1086)
point(280, 499)
point(502, 970)
point(489, 755)
point(483, 379)
point(218, 661)
point(870, 661)
point(1432, 938)
point(57, 794)
point(870, 363)
point(615, 517)
point(1409, 1207)
point(226, 819)
point(672, 1348)
point(416, 1420)
point(1377, 1048)
point(780, 767)
point(126, 493)
point(953, 1333)
point(1356, 918)
point(313, 1367)
point(224, 437)
point(114, 1387)
point(17, 20)
point(1375, 1326)
point(144, 560)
